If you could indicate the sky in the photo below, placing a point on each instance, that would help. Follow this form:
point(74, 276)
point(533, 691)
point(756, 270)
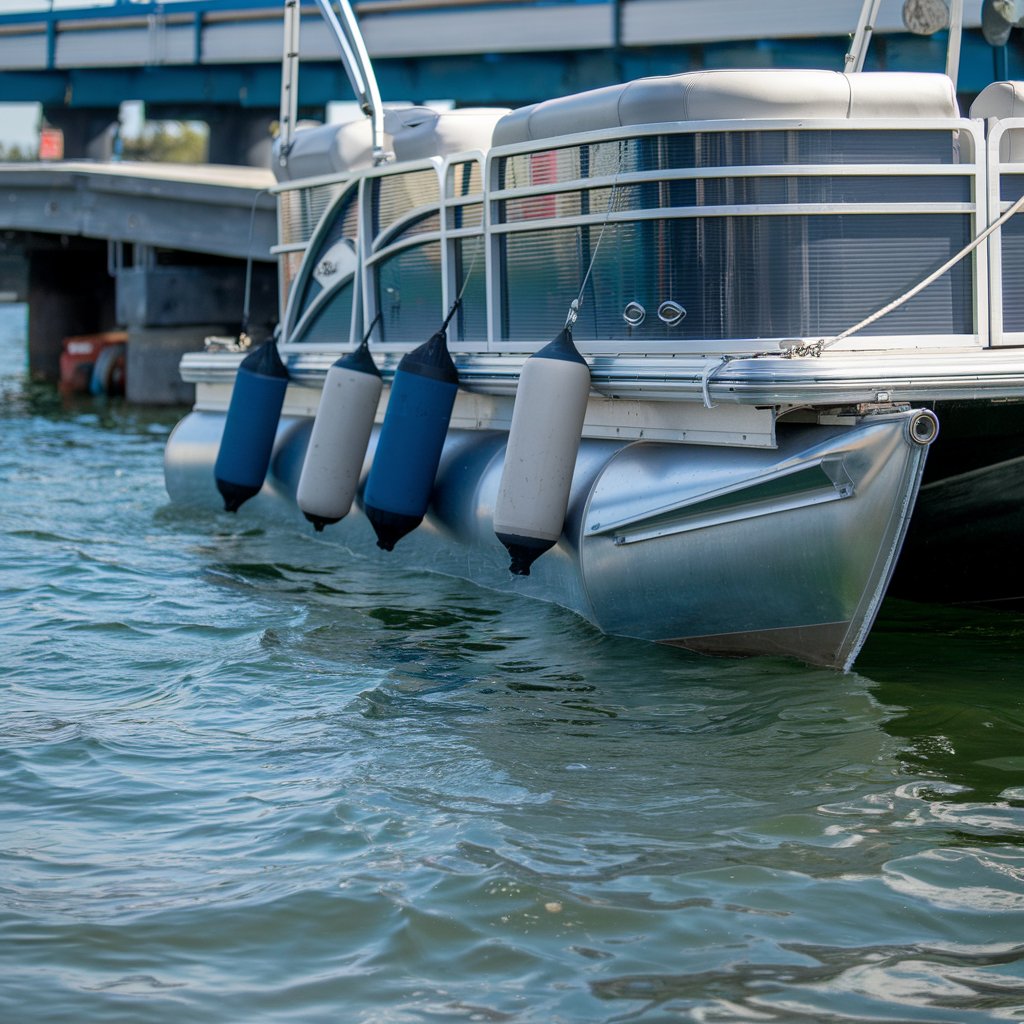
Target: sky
point(19, 124)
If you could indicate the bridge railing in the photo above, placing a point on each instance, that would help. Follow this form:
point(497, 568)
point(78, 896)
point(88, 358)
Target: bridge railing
point(104, 8)
point(16, 11)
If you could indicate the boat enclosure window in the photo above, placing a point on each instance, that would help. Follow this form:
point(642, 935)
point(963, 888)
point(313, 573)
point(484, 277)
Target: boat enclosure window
point(707, 237)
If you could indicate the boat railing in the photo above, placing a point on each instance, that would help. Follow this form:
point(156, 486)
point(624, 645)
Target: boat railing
point(724, 237)
point(417, 229)
point(763, 232)
point(300, 208)
point(1006, 254)
point(855, 58)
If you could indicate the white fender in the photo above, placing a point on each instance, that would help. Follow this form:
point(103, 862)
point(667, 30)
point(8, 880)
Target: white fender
point(543, 442)
point(337, 444)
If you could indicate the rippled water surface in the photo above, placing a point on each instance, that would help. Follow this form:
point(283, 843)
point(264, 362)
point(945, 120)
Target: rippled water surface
point(245, 777)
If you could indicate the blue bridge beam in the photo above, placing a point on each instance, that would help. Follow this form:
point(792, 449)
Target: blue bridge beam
point(194, 58)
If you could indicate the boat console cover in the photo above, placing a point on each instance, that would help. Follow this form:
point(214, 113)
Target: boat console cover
point(411, 133)
point(996, 102)
point(771, 93)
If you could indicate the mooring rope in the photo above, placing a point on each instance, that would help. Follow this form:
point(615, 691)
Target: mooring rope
point(921, 285)
point(247, 290)
point(577, 303)
point(462, 291)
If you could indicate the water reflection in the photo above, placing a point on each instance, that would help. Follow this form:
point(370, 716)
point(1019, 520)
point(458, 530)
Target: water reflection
point(953, 678)
point(251, 775)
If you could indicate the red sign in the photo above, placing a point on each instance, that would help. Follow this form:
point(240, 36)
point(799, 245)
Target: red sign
point(51, 144)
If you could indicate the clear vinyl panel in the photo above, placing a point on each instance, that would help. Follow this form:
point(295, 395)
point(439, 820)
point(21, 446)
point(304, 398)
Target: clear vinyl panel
point(331, 323)
point(397, 197)
point(299, 211)
point(288, 264)
point(823, 249)
point(470, 323)
point(1011, 187)
point(406, 255)
point(302, 208)
point(335, 253)
point(467, 270)
point(776, 190)
point(408, 293)
point(464, 178)
point(738, 277)
point(727, 149)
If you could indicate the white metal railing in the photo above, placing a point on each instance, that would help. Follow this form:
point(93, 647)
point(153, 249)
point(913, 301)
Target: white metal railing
point(969, 166)
point(1006, 246)
point(375, 248)
point(867, 24)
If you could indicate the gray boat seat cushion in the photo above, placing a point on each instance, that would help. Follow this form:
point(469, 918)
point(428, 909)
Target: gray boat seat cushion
point(1001, 100)
point(411, 133)
point(769, 93)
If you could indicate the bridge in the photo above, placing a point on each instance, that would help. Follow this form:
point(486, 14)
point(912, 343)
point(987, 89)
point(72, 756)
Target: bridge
point(218, 60)
point(162, 250)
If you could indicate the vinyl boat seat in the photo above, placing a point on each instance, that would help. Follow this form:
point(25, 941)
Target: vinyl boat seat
point(734, 94)
point(996, 102)
point(411, 133)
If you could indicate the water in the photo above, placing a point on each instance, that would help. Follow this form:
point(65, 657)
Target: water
point(246, 778)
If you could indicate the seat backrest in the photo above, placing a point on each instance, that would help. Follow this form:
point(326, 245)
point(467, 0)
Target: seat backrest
point(769, 93)
point(1001, 100)
point(411, 133)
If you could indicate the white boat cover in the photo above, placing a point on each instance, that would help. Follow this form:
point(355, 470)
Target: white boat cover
point(996, 102)
point(411, 133)
point(768, 93)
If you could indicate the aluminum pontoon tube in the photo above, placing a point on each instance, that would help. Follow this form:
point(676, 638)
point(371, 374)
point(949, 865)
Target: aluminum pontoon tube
point(721, 550)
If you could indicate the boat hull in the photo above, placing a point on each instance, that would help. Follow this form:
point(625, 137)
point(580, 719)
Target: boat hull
point(721, 550)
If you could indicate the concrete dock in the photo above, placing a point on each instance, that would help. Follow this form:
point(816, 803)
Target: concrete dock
point(159, 250)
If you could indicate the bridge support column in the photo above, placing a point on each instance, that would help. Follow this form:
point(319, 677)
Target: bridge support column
point(69, 292)
point(89, 132)
point(239, 136)
point(151, 374)
point(169, 308)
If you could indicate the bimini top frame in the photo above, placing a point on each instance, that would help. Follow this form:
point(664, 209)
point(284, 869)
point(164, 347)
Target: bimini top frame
point(854, 61)
point(354, 58)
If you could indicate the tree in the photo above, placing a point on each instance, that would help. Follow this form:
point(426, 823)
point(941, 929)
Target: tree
point(14, 153)
point(168, 142)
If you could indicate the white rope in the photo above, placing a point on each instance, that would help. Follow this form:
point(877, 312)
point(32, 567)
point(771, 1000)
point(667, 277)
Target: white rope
point(472, 265)
point(821, 344)
point(462, 291)
point(574, 306)
point(705, 381)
